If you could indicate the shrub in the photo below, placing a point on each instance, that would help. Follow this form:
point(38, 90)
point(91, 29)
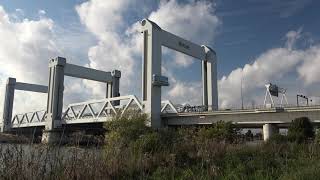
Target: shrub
point(317, 136)
point(221, 131)
point(278, 138)
point(300, 130)
point(128, 127)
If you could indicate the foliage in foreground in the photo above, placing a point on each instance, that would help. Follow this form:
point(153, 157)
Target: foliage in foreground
point(135, 151)
point(300, 130)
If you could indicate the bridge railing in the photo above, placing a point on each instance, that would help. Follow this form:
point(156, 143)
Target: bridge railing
point(98, 110)
point(29, 118)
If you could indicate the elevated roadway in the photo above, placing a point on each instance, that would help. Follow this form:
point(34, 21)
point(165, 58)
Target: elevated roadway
point(253, 118)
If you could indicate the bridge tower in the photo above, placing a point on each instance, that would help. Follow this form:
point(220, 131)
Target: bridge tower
point(152, 80)
point(58, 68)
point(8, 105)
point(11, 86)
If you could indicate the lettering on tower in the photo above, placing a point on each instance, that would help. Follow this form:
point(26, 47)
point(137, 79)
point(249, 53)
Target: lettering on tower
point(184, 45)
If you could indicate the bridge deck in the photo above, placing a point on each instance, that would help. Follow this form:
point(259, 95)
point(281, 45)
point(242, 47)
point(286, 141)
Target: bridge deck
point(243, 118)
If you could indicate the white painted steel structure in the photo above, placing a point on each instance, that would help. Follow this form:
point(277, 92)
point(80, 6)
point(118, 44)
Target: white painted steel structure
point(58, 68)
point(103, 111)
point(8, 120)
point(94, 111)
point(153, 39)
point(281, 91)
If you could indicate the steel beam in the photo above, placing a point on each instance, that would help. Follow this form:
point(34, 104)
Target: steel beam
point(179, 44)
point(87, 73)
point(31, 87)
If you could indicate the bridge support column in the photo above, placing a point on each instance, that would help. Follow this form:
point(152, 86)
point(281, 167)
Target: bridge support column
point(51, 136)
point(54, 101)
point(209, 80)
point(113, 89)
point(269, 130)
point(151, 93)
point(8, 105)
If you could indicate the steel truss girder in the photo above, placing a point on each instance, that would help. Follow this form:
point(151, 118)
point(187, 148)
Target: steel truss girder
point(107, 109)
point(103, 114)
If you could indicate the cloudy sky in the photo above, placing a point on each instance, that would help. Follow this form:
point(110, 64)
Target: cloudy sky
point(257, 41)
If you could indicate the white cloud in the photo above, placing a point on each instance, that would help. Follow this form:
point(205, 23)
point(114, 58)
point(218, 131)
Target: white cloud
point(25, 48)
point(105, 20)
point(309, 71)
point(292, 38)
point(186, 92)
point(120, 43)
point(268, 67)
point(274, 65)
point(190, 21)
point(32, 42)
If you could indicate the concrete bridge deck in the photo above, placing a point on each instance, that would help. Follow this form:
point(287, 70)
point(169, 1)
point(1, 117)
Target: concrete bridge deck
point(254, 118)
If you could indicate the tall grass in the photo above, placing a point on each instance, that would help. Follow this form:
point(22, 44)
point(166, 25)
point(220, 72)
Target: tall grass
point(133, 150)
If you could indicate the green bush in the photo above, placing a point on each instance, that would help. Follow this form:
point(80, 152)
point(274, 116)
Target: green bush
point(278, 138)
point(317, 136)
point(136, 151)
point(300, 130)
point(221, 131)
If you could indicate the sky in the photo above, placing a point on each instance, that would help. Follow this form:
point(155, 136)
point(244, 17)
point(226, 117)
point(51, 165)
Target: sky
point(256, 41)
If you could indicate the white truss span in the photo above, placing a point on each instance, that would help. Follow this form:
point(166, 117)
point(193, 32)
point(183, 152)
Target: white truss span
point(100, 110)
point(90, 111)
point(29, 119)
point(168, 107)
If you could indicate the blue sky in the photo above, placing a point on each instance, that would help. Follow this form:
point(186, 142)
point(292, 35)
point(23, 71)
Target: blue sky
point(249, 27)
point(241, 32)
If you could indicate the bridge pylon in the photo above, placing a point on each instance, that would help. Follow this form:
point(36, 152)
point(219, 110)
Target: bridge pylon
point(58, 68)
point(8, 105)
point(153, 39)
point(11, 86)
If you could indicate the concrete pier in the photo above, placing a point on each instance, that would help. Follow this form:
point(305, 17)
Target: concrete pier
point(52, 137)
point(269, 130)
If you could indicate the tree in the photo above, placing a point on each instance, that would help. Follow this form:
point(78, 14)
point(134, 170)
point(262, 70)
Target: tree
point(300, 130)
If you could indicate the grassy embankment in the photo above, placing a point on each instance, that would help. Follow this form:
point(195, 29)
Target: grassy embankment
point(134, 151)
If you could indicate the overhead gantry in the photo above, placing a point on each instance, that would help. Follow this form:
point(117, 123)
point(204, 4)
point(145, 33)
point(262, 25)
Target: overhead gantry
point(11, 86)
point(153, 39)
point(58, 68)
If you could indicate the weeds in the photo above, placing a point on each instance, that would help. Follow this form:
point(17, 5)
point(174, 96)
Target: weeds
point(133, 150)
